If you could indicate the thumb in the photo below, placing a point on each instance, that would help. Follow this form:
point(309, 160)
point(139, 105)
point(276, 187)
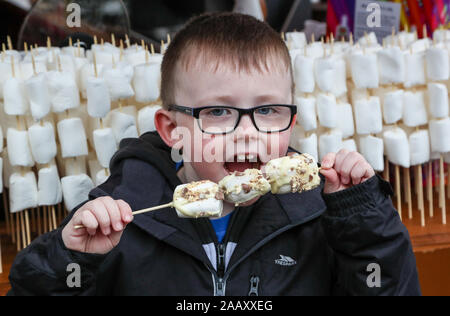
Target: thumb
point(332, 180)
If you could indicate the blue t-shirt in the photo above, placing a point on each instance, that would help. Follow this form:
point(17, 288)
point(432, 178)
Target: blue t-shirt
point(220, 225)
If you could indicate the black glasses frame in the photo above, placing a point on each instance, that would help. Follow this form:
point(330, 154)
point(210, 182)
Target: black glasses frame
point(195, 112)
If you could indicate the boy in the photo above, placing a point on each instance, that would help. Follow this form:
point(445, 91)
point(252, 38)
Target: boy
point(227, 91)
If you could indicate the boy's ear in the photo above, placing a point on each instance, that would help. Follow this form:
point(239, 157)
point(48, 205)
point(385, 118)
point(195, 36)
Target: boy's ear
point(165, 125)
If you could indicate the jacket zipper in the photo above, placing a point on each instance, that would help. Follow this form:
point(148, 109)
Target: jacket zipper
point(254, 284)
point(220, 282)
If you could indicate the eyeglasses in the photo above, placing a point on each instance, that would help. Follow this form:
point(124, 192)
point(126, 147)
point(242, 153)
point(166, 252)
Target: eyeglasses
point(219, 120)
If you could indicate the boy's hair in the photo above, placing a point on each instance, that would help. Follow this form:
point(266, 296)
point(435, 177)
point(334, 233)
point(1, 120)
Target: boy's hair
point(237, 40)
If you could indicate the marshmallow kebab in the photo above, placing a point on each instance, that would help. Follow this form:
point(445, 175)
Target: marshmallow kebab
point(296, 173)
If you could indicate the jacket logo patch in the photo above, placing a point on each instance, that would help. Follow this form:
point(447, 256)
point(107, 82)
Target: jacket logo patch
point(285, 261)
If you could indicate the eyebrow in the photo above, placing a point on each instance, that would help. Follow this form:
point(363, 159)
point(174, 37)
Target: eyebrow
point(230, 100)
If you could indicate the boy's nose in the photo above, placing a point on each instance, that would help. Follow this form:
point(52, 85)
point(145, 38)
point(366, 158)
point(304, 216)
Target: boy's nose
point(246, 129)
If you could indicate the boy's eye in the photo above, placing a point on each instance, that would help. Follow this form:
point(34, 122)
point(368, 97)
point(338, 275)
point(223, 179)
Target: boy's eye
point(218, 112)
point(265, 111)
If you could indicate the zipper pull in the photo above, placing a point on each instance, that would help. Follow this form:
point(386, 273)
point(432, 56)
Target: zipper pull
point(220, 287)
point(221, 259)
point(254, 284)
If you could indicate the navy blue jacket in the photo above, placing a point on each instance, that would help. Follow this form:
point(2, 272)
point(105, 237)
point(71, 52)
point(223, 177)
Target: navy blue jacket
point(346, 243)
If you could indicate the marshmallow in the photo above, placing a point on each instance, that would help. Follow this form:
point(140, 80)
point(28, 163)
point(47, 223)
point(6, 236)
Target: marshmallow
point(86, 72)
point(372, 149)
point(393, 106)
point(324, 73)
point(421, 45)
point(290, 174)
point(296, 39)
point(437, 63)
point(307, 116)
point(327, 110)
point(198, 199)
point(414, 109)
point(441, 35)
point(15, 102)
point(76, 190)
point(27, 70)
point(241, 187)
point(339, 87)
point(345, 121)
point(304, 74)
point(368, 116)
point(330, 143)
point(23, 192)
point(98, 96)
point(146, 119)
point(419, 146)
point(38, 96)
point(105, 145)
point(315, 50)
point(146, 82)
point(414, 70)
point(123, 125)
point(135, 57)
point(397, 147)
point(438, 100)
point(440, 135)
point(364, 69)
point(349, 144)
point(72, 137)
point(309, 145)
point(118, 83)
point(42, 142)
point(5, 73)
point(19, 152)
point(391, 65)
point(49, 186)
point(101, 176)
point(63, 90)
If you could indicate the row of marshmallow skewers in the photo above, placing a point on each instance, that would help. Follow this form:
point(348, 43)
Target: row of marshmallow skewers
point(68, 90)
point(387, 100)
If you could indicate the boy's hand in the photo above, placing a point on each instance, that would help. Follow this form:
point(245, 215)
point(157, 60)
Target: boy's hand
point(104, 220)
point(344, 169)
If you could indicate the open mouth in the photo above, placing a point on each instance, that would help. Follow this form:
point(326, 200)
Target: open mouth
point(242, 162)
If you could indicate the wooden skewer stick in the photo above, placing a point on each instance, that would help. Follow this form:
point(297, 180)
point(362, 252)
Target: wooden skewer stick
point(398, 190)
point(145, 210)
point(54, 217)
point(113, 40)
point(18, 241)
point(5, 208)
point(22, 227)
point(78, 48)
point(95, 64)
point(127, 40)
point(430, 188)
point(442, 190)
point(70, 41)
point(421, 203)
point(408, 192)
point(152, 49)
point(8, 39)
point(27, 227)
point(95, 40)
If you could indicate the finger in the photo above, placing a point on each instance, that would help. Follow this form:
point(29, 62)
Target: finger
point(347, 165)
point(114, 213)
point(328, 161)
point(332, 182)
point(89, 221)
point(102, 216)
point(125, 211)
point(340, 158)
point(358, 172)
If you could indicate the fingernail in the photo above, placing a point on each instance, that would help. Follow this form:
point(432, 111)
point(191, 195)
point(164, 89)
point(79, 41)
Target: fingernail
point(326, 164)
point(119, 226)
point(107, 231)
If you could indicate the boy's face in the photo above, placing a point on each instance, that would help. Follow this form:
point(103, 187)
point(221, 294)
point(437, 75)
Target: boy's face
point(213, 157)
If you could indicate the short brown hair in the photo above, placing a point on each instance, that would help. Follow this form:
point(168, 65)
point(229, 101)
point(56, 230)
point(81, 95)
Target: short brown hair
point(237, 39)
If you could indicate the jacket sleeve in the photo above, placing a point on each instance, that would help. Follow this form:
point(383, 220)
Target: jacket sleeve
point(373, 251)
point(47, 267)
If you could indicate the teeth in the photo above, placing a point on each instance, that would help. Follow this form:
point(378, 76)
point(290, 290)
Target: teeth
point(241, 158)
point(251, 158)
